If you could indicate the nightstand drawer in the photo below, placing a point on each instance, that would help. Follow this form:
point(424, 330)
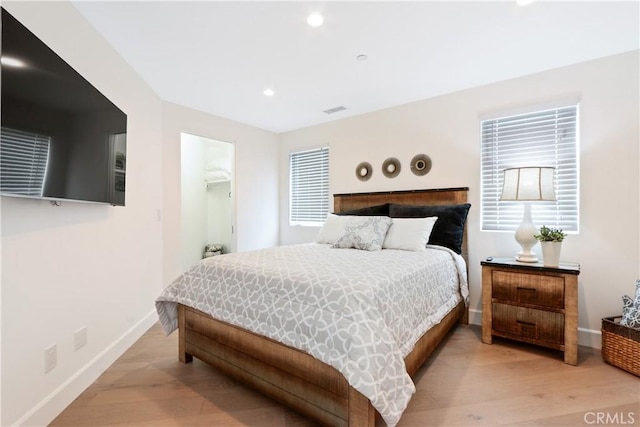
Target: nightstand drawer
point(528, 323)
point(544, 291)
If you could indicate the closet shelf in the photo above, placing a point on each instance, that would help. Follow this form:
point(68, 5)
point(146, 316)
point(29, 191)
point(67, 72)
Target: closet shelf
point(210, 184)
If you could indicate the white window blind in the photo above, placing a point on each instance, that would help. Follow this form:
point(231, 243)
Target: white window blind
point(542, 138)
point(309, 184)
point(23, 162)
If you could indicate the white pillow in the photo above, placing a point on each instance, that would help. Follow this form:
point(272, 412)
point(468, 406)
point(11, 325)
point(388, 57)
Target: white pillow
point(409, 234)
point(332, 229)
point(364, 232)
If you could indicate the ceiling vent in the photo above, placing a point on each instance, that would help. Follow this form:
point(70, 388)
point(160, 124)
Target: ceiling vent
point(334, 110)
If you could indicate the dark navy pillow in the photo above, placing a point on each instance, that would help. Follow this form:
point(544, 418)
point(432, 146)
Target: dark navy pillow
point(378, 210)
point(449, 227)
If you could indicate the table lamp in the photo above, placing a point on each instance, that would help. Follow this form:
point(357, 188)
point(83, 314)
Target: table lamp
point(528, 184)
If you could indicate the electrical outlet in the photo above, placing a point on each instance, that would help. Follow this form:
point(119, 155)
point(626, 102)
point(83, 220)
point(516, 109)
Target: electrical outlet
point(79, 338)
point(50, 358)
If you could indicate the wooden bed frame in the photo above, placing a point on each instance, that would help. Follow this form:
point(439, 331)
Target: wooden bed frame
point(291, 376)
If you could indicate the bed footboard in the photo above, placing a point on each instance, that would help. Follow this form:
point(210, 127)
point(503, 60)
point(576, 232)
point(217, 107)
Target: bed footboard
point(290, 376)
point(283, 373)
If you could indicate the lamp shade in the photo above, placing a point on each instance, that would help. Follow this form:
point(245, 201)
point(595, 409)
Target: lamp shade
point(532, 183)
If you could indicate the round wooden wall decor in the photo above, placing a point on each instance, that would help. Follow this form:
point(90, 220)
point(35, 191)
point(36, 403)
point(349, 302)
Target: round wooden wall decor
point(363, 171)
point(420, 164)
point(391, 167)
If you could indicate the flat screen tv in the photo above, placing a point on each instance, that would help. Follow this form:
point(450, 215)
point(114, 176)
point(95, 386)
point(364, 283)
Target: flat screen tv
point(60, 138)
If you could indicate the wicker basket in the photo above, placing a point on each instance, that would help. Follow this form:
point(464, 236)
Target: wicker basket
point(621, 345)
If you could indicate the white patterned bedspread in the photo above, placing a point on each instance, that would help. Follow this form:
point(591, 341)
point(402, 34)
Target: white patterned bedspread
point(358, 311)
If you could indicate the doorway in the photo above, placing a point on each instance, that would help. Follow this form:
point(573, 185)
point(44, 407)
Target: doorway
point(207, 186)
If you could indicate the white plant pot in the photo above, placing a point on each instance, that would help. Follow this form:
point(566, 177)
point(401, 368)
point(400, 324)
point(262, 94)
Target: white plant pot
point(551, 253)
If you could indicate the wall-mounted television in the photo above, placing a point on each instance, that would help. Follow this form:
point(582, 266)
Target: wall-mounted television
point(60, 138)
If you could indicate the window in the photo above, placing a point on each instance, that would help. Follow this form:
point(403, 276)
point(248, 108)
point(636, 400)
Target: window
point(23, 162)
point(309, 187)
point(542, 138)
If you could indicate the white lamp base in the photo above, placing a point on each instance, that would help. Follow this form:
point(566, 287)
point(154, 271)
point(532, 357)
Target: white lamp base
point(524, 236)
point(522, 257)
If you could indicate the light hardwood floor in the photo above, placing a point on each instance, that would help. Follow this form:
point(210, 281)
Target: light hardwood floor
point(464, 383)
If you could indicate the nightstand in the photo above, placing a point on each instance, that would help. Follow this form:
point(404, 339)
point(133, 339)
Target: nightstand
point(531, 303)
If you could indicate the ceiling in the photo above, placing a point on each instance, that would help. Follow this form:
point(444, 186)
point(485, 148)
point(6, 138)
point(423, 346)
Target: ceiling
point(219, 57)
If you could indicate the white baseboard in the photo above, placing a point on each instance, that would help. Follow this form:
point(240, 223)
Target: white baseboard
point(586, 337)
point(52, 405)
point(590, 338)
point(475, 317)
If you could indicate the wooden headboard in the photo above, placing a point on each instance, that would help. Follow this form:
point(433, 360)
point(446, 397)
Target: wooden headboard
point(438, 196)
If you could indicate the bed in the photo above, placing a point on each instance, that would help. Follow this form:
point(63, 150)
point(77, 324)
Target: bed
point(294, 377)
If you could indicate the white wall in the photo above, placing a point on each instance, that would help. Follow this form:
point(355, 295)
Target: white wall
point(256, 180)
point(193, 201)
point(447, 129)
point(80, 265)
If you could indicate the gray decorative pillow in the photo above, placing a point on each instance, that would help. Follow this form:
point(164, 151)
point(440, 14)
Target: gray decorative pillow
point(631, 309)
point(364, 232)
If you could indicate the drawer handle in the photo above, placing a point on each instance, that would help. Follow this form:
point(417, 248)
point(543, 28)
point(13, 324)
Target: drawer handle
point(520, 288)
point(523, 323)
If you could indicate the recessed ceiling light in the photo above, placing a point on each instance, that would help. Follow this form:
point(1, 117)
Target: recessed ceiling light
point(315, 19)
point(362, 57)
point(12, 62)
point(269, 92)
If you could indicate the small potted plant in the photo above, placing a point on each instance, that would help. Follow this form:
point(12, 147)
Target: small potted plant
point(551, 241)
